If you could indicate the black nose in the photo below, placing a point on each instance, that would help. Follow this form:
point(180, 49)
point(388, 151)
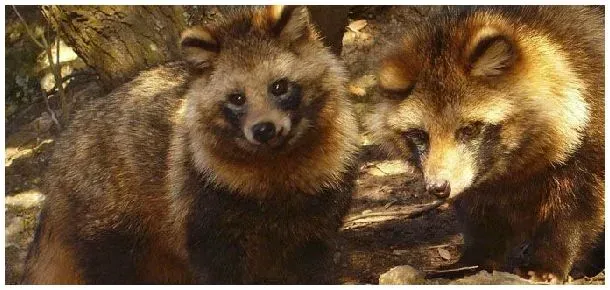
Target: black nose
point(263, 132)
point(441, 188)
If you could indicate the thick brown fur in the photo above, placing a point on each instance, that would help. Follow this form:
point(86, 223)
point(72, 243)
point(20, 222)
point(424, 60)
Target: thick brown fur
point(507, 106)
point(155, 184)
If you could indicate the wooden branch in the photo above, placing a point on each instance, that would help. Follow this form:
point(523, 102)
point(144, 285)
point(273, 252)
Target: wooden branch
point(407, 213)
point(27, 29)
point(51, 112)
point(55, 67)
point(444, 245)
point(59, 83)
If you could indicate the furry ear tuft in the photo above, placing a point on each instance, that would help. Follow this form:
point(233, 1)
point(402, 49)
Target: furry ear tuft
point(398, 74)
point(492, 54)
point(289, 23)
point(199, 47)
point(392, 76)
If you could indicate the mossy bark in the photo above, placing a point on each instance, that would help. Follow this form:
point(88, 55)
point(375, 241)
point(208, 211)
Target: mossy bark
point(119, 41)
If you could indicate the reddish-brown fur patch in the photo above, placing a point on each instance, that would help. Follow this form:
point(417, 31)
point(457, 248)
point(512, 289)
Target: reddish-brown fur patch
point(532, 74)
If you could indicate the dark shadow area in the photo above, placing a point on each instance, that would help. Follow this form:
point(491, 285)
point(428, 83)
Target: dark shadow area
point(371, 250)
point(372, 152)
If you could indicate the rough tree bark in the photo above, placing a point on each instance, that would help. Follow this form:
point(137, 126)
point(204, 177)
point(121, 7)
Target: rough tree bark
point(119, 41)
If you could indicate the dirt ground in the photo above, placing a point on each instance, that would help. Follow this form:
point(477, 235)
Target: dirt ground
point(368, 246)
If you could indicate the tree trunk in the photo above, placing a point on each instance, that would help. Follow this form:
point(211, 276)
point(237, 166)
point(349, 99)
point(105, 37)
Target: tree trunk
point(119, 41)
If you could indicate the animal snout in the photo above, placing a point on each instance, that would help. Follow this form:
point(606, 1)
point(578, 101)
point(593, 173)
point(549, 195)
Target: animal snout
point(263, 132)
point(439, 188)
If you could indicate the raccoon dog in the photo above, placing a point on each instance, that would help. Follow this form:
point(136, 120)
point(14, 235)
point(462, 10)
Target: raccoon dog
point(235, 166)
point(502, 110)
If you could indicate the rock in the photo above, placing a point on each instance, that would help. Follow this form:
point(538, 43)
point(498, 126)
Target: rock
point(27, 199)
point(348, 38)
point(495, 278)
point(14, 226)
point(402, 275)
point(357, 25)
point(47, 82)
point(66, 55)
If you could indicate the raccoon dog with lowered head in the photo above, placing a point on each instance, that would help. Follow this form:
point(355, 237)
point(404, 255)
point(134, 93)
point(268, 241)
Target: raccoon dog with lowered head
point(236, 166)
point(502, 110)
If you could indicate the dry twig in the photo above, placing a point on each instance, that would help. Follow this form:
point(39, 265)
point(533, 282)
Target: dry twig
point(55, 67)
point(450, 273)
point(444, 245)
point(51, 112)
point(27, 29)
point(407, 213)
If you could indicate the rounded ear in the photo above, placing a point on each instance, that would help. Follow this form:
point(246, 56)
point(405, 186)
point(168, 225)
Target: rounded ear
point(491, 54)
point(199, 47)
point(289, 23)
point(392, 75)
point(397, 75)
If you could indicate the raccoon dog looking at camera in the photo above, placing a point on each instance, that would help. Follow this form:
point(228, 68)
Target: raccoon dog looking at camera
point(234, 166)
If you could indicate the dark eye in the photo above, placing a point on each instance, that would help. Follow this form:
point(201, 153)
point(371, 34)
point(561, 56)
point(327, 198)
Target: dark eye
point(279, 87)
point(470, 131)
point(417, 136)
point(286, 94)
point(237, 99)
